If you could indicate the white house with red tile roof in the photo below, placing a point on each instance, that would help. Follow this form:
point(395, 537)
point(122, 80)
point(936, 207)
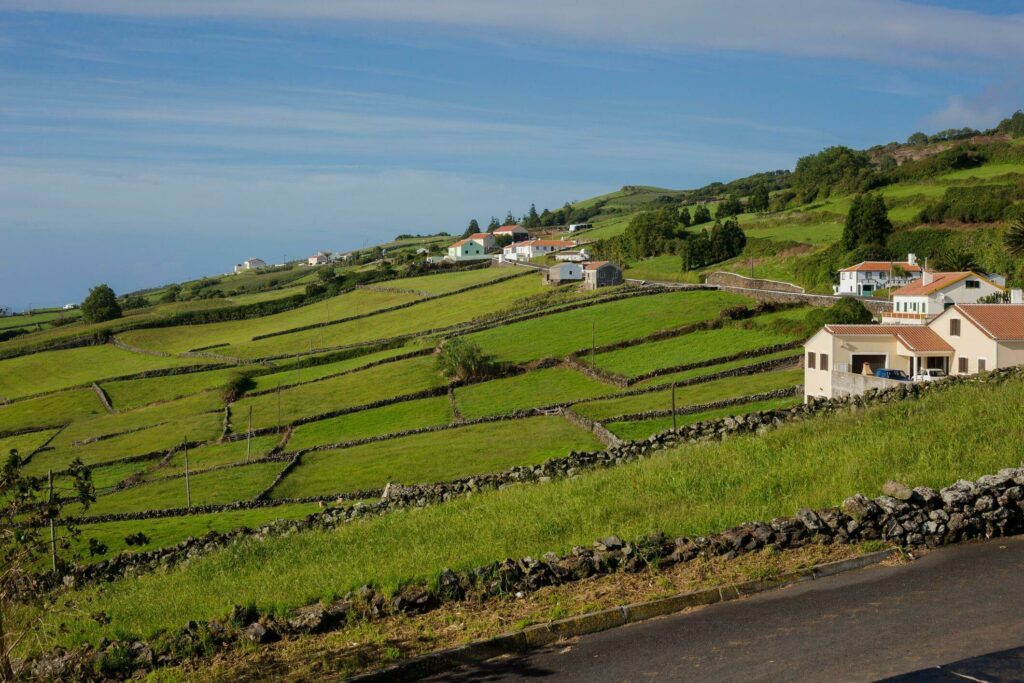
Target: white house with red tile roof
point(524, 251)
point(867, 276)
point(922, 300)
point(517, 232)
point(963, 339)
point(318, 259)
point(466, 250)
point(484, 239)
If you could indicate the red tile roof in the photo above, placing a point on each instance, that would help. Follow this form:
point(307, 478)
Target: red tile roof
point(914, 337)
point(1002, 322)
point(549, 243)
point(883, 266)
point(594, 265)
point(510, 228)
point(939, 281)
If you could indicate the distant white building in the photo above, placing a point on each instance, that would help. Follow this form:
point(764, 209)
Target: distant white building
point(484, 239)
point(923, 300)
point(69, 307)
point(421, 251)
point(318, 259)
point(576, 227)
point(868, 276)
point(251, 264)
point(578, 256)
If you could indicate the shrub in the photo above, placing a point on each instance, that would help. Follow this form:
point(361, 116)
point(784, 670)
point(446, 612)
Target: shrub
point(463, 359)
point(101, 305)
point(847, 311)
point(236, 386)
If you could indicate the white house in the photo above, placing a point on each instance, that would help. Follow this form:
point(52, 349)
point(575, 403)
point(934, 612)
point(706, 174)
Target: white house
point(961, 340)
point(421, 251)
point(517, 232)
point(251, 264)
point(524, 251)
point(466, 250)
point(318, 259)
point(484, 239)
point(867, 276)
point(563, 272)
point(576, 227)
point(578, 256)
point(922, 300)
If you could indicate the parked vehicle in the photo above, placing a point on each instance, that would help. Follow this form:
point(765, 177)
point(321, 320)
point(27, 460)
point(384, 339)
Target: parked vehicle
point(891, 373)
point(929, 375)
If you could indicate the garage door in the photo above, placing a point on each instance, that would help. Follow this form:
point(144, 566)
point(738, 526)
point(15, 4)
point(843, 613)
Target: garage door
point(873, 361)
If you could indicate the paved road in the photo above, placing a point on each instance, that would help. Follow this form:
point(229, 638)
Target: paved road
point(956, 614)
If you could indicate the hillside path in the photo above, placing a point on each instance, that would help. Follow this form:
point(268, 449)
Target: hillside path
point(953, 615)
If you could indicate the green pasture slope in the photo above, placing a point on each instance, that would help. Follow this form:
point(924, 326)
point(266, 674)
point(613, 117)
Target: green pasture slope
point(693, 490)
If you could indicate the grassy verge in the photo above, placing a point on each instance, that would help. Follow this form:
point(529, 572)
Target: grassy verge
point(692, 490)
point(641, 429)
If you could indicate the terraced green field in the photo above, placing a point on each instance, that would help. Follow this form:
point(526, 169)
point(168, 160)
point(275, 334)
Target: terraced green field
point(436, 456)
point(49, 411)
point(530, 390)
point(449, 282)
point(557, 335)
point(131, 394)
point(696, 347)
point(38, 373)
point(986, 172)
point(424, 412)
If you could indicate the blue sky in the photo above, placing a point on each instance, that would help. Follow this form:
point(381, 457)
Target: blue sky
point(145, 141)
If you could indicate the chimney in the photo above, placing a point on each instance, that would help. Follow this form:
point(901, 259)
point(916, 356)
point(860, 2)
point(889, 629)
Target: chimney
point(1017, 296)
point(927, 277)
point(912, 259)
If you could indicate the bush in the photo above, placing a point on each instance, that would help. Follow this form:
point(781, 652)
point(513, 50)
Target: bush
point(847, 311)
point(463, 360)
point(101, 305)
point(133, 301)
point(236, 386)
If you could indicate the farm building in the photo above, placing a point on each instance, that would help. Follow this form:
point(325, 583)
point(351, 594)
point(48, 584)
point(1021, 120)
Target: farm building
point(867, 276)
point(576, 227)
point(575, 256)
point(601, 274)
point(963, 339)
point(562, 273)
point(251, 264)
point(921, 301)
point(466, 250)
point(524, 251)
point(318, 259)
point(517, 232)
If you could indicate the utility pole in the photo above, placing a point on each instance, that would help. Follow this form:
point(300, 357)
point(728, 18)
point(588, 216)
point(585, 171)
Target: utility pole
point(53, 531)
point(593, 343)
point(188, 487)
point(673, 406)
point(248, 437)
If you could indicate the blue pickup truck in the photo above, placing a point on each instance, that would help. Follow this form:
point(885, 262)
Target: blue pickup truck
point(888, 373)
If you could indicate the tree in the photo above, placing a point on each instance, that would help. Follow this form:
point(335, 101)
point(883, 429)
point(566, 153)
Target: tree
point(1014, 125)
point(867, 223)
point(701, 214)
point(462, 359)
point(833, 170)
point(696, 251)
point(493, 225)
point(133, 301)
point(759, 200)
point(730, 207)
point(1014, 239)
point(100, 305)
point(847, 311)
point(171, 294)
point(510, 219)
point(29, 531)
point(917, 138)
point(473, 228)
point(956, 259)
point(727, 240)
point(532, 220)
point(648, 232)
point(684, 217)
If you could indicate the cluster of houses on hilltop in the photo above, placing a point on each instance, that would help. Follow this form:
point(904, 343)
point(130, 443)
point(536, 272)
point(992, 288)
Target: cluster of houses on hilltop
point(574, 265)
point(940, 323)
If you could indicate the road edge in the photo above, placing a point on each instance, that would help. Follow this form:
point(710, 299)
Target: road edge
point(541, 635)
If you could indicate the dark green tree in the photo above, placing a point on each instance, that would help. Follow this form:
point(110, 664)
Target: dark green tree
point(847, 311)
point(701, 214)
point(759, 199)
point(509, 219)
point(956, 259)
point(100, 305)
point(648, 232)
point(917, 138)
point(493, 225)
point(1014, 238)
point(731, 206)
point(473, 228)
point(532, 220)
point(867, 223)
point(684, 217)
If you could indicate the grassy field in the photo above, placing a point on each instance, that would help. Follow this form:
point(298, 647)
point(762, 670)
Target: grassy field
point(24, 443)
point(435, 456)
point(425, 412)
point(641, 429)
point(691, 348)
point(448, 282)
point(313, 372)
point(729, 387)
point(818, 234)
point(692, 490)
point(530, 390)
point(557, 335)
point(222, 486)
point(135, 393)
point(34, 374)
point(429, 314)
point(36, 319)
point(49, 411)
point(359, 388)
point(214, 455)
point(711, 369)
point(985, 172)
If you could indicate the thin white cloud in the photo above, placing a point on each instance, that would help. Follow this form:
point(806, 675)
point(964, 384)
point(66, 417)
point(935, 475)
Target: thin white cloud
point(874, 30)
point(981, 110)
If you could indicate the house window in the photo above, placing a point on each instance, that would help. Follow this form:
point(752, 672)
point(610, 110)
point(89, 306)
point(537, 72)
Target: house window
point(973, 284)
point(810, 359)
point(823, 362)
point(962, 366)
point(981, 365)
point(954, 327)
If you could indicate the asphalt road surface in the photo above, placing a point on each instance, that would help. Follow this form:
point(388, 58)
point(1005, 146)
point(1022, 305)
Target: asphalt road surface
point(956, 614)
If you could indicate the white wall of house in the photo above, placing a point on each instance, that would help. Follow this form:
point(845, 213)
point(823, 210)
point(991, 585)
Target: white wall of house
point(818, 382)
point(467, 251)
point(922, 308)
point(969, 345)
point(865, 282)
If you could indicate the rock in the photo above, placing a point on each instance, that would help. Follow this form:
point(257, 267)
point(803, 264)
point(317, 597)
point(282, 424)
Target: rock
point(309, 619)
point(897, 490)
point(260, 634)
point(858, 507)
point(609, 543)
point(810, 519)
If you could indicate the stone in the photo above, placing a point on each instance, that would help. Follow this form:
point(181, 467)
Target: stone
point(309, 619)
point(609, 543)
point(260, 634)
